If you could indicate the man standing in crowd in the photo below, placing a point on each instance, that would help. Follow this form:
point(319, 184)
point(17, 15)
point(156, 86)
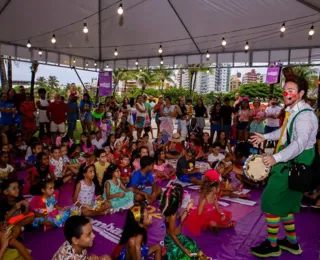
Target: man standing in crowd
point(272, 116)
point(297, 140)
point(56, 113)
point(226, 116)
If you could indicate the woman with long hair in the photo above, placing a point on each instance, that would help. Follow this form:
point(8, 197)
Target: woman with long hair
point(215, 119)
point(258, 117)
point(200, 113)
point(244, 116)
point(158, 110)
point(85, 113)
point(168, 114)
point(141, 115)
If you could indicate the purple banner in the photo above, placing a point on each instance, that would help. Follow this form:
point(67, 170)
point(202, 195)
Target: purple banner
point(273, 75)
point(105, 83)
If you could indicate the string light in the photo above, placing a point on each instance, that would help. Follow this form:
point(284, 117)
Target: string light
point(137, 62)
point(140, 70)
point(208, 71)
point(87, 64)
point(74, 60)
point(120, 9)
point(29, 44)
point(95, 64)
point(246, 47)
point(40, 52)
point(116, 52)
point(85, 28)
point(311, 31)
point(53, 39)
point(160, 49)
point(208, 55)
point(161, 61)
point(107, 66)
point(283, 28)
point(223, 42)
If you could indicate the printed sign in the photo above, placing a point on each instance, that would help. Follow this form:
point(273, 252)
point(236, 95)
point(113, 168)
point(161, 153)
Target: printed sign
point(105, 83)
point(273, 75)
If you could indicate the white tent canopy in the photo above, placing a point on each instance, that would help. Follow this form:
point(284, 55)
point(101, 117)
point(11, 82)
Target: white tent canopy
point(186, 29)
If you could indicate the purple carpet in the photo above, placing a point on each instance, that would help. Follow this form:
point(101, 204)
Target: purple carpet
point(233, 244)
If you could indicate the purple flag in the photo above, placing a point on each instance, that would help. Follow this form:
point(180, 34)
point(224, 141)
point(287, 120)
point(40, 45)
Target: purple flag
point(273, 75)
point(105, 83)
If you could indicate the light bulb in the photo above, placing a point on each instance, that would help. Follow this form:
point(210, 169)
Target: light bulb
point(137, 63)
point(29, 44)
point(140, 70)
point(120, 9)
point(74, 60)
point(283, 28)
point(160, 49)
point(311, 32)
point(107, 66)
point(87, 64)
point(208, 71)
point(116, 52)
point(40, 52)
point(223, 42)
point(246, 47)
point(161, 61)
point(85, 28)
point(208, 55)
point(53, 39)
point(95, 64)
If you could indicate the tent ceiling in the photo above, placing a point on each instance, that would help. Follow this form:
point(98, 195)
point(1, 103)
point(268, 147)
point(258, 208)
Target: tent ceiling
point(147, 23)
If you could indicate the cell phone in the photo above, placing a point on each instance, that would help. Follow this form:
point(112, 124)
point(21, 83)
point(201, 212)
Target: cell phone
point(254, 150)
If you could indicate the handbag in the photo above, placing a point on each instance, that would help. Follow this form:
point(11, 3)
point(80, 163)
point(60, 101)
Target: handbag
point(300, 176)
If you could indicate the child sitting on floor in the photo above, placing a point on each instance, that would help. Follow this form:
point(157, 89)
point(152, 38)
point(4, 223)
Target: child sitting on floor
point(177, 245)
point(162, 169)
point(36, 148)
point(84, 195)
point(125, 169)
point(186, 170)
point(56, 162)
point(143, 177)
point(134, 237)
point(47, 212)
point(76, 155)
point(118, 195)
point(6, 170)
point(208, 213)
point(14, 209)
point(101, 164)
point(205, 148)
point(79, 236)
point(86, 145)
point(215, 155)
point(143, 151)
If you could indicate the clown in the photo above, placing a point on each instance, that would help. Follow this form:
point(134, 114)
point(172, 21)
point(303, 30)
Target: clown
point(296, 142)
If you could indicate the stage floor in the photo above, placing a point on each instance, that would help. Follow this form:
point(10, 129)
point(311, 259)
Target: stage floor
point(233, 244)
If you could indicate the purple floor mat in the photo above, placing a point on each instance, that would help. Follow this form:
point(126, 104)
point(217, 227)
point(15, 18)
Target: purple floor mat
point(228, 244)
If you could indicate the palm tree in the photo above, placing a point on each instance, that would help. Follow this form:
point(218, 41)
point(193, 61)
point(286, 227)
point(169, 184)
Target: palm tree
point(308, 73)
point(53, 82)
point(165, 75)
point(42, 82)
point(34, 69)
point(127, 76)
point(194, 69)
point(9, 72)
point(3, 75)
point(147, 78)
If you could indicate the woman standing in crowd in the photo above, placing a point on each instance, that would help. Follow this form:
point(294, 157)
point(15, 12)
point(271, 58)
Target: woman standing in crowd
point(27, 109)
point(215, 120)
point(125, 107)
point(85, 113)
point(169, 113)
point(258, 116)
point(181, 109)
point(200, 113)
point(97, 114)
point(158, 110)
point(7, 112)
point(244, 117)
point(141, 115)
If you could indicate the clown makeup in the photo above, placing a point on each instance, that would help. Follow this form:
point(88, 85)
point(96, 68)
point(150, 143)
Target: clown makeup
point(290, 94)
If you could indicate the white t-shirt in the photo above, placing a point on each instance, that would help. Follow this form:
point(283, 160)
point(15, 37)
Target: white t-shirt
point(212, 158)
point(141, 107)
point(43, 118)
point(98, 144)
point(272, 111)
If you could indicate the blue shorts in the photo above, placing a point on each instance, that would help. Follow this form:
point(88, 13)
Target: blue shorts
point(187, 177)
point(147, 190)
point(71, 126)
point(269, 129)
point(227, 129)
point(242, 126)
point(215, 127)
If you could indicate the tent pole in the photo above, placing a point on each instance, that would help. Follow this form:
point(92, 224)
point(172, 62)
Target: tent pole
point(100, 44)
point(185, 27)
point(74, 68)
point(5, 6)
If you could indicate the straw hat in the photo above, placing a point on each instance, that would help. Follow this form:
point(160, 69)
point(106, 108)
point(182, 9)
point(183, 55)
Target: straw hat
point(176, 138)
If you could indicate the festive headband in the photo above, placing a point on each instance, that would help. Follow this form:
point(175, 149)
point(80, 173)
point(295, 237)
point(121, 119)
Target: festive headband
point(213, 175)
point(136, 211)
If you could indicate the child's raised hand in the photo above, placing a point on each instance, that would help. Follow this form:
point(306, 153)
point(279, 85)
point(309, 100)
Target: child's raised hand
point(190, 205)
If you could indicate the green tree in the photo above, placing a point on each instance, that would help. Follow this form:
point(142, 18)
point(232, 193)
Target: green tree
point(42, 82)
point(3, 75)
point(53, 82)
point(116, 77)
point(309, 73)
point(164, 75)
point(194, 69)
point(146, 79)
point(127, 76)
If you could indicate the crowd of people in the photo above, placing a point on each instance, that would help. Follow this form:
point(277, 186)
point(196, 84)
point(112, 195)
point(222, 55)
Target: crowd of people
point(119, 163)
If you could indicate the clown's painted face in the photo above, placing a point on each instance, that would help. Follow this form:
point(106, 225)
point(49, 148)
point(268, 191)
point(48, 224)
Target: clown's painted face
point(291, 94)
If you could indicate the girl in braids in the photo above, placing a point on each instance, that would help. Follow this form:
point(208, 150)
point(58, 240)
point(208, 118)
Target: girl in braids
point(133, 243)
point(179, 247)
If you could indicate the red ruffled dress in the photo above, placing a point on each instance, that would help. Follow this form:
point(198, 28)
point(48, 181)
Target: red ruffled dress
point(194, 223)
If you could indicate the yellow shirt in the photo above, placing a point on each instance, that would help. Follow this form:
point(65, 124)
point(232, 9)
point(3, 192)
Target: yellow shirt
point(100, 169)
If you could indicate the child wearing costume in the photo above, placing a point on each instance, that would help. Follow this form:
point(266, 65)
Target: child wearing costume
point(47, 212)
point(178, 246)
point(208, 213)
point(133, 243)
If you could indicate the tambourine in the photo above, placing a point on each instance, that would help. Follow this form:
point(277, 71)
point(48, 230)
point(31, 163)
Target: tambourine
point(255, 169)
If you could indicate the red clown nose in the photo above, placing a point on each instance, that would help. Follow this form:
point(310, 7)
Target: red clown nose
point(285, 93)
